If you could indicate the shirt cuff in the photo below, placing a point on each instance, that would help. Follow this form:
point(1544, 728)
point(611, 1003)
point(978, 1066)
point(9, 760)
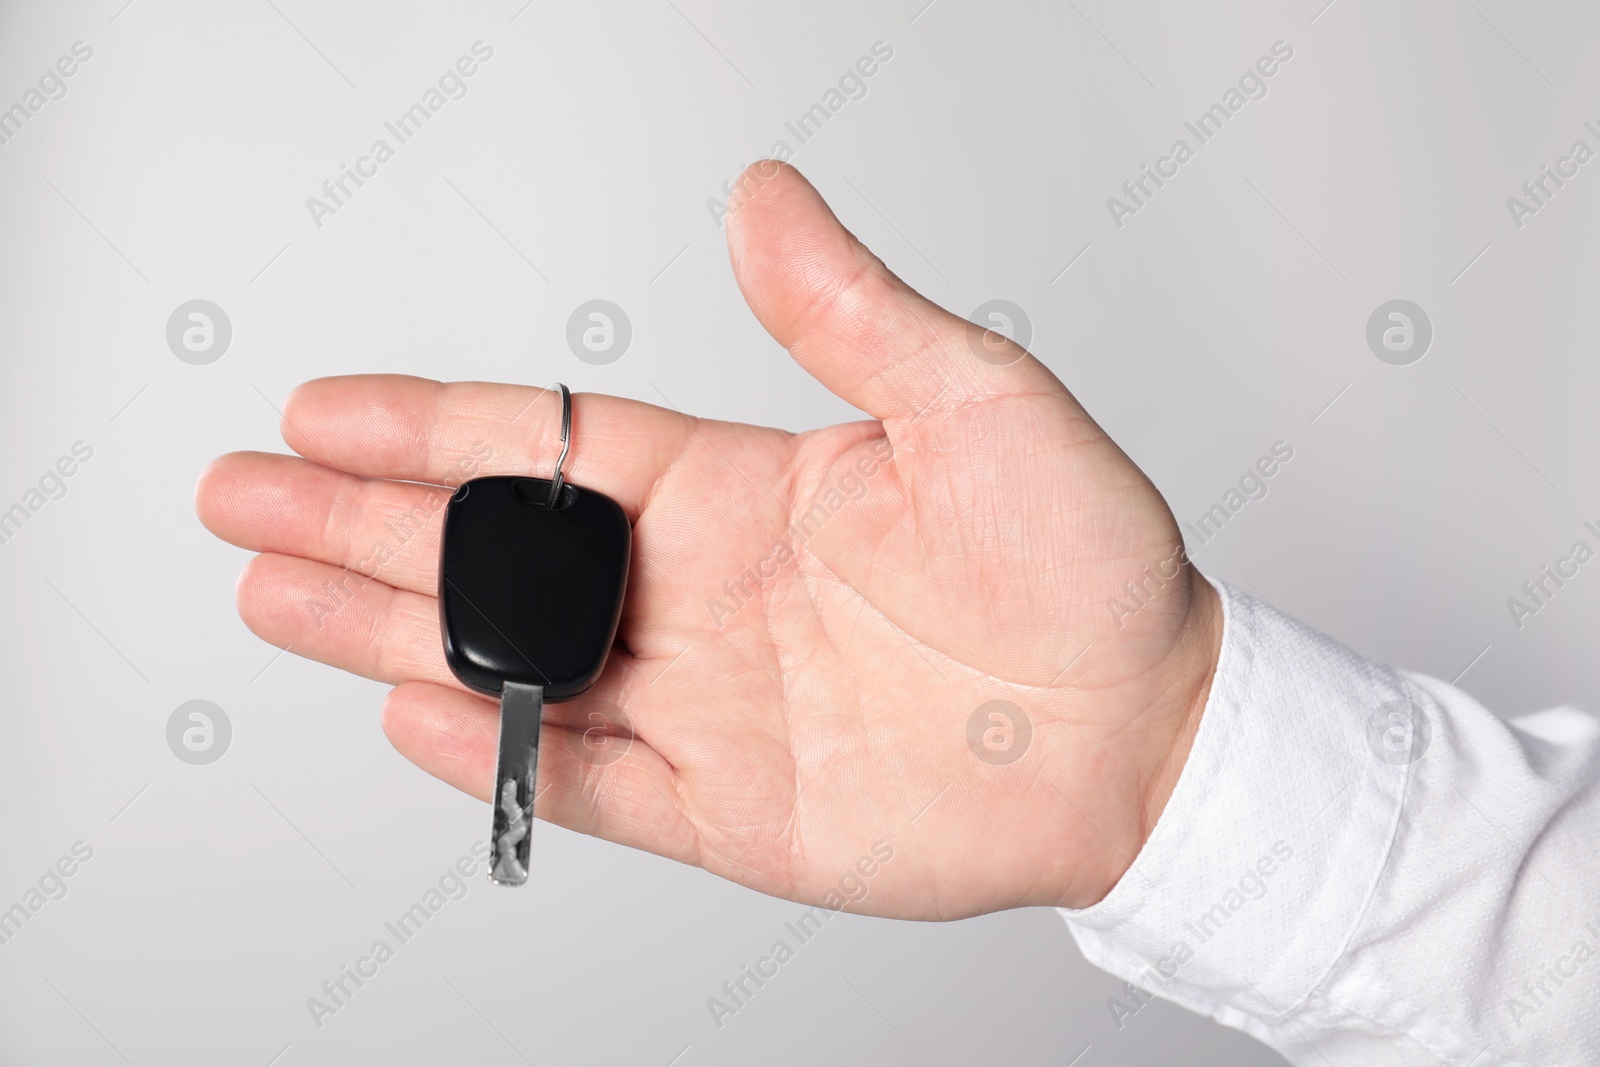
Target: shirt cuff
point(1265, 858)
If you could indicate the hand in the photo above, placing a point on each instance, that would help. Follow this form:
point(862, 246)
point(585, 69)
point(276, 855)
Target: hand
point(812, 619)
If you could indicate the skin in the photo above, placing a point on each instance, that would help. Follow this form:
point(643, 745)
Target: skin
point(826, 709)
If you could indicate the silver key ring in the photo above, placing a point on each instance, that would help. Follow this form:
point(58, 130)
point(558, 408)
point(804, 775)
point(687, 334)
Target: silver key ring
point(558, 482)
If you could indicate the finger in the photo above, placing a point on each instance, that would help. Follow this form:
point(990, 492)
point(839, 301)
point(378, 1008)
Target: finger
point(368, 627)
point(849, 321)
point(414, 429)
point(343, 619)
point(284, 504)
point(624, 794)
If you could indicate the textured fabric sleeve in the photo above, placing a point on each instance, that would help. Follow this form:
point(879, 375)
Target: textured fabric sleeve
point(1363, 866)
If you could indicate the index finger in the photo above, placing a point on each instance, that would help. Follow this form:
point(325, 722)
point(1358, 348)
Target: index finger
point(444, 433)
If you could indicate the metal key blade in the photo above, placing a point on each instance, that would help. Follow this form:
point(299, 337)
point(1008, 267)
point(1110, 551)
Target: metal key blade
point(516, 778)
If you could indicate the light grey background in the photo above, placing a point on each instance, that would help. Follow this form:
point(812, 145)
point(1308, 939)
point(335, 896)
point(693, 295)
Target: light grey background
point(1228, 314)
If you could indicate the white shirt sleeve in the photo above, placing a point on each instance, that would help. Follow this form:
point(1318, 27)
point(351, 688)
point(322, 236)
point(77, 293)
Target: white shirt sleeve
point(1364, 866)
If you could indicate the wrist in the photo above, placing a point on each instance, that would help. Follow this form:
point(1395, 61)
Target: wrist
point(1195, 668)
point(1177, 692)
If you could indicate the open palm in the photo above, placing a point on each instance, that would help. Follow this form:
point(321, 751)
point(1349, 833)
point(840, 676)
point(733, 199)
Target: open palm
point(817, 624)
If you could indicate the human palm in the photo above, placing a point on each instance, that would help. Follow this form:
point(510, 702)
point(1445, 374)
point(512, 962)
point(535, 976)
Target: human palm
point(816, 624)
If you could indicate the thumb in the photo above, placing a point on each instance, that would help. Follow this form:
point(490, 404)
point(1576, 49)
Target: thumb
point(851, 323)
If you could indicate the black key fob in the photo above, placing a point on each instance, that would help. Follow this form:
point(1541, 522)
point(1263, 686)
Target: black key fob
point(530, 588)
point(531, 577)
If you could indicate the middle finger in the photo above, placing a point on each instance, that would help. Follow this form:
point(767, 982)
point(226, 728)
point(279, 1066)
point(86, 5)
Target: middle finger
point(294, 507)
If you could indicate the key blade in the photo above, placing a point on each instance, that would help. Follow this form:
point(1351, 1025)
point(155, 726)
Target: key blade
point(516, 779)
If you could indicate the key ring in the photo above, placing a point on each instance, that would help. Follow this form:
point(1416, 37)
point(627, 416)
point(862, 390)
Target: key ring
point(558, 481)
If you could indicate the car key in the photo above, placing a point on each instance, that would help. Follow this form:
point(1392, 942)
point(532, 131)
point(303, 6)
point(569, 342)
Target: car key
point(531, 580)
